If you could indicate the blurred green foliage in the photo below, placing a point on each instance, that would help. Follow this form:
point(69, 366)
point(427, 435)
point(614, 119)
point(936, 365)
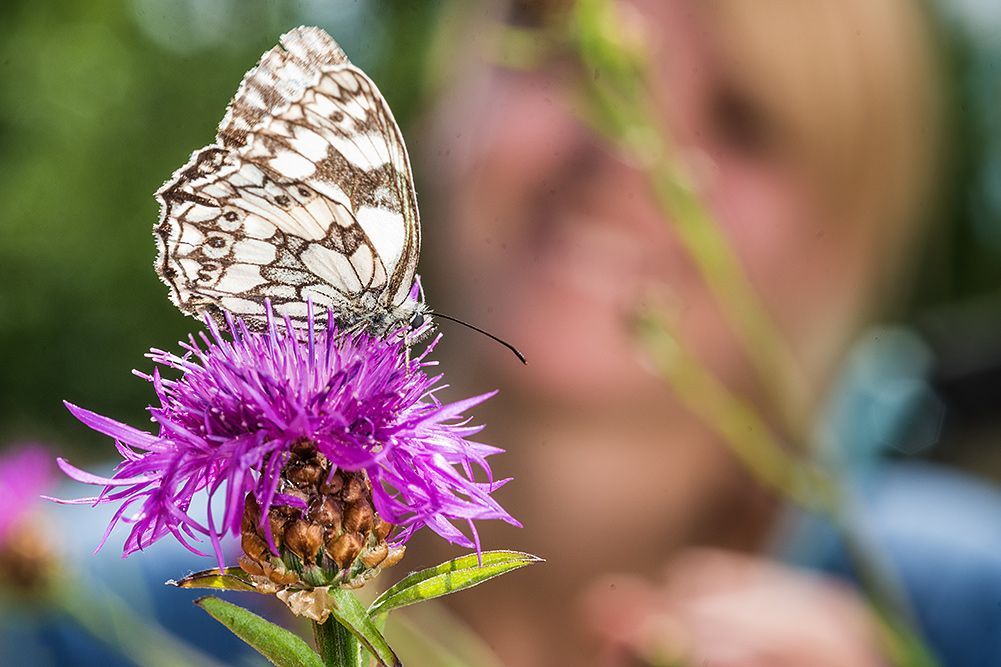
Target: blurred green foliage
point(99, 102)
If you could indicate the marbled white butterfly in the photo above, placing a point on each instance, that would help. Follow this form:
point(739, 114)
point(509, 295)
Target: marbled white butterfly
point(306, 195)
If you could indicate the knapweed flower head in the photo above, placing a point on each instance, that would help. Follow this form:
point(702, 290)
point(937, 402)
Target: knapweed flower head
point(297, 429)
point(25, 474)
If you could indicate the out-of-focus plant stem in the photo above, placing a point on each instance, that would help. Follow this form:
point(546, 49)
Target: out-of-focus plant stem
point(733, 419)
point(619, 104)
point(752, 441)
point(109, 619)
point(432, 634)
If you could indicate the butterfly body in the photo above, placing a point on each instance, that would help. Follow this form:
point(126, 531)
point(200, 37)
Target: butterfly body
point(306, 197)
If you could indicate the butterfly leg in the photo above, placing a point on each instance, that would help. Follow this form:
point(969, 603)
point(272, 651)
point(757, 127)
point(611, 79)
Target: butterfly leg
point(406, 346)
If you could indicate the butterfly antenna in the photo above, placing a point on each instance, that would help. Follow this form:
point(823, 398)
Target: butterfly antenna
point(516, 351)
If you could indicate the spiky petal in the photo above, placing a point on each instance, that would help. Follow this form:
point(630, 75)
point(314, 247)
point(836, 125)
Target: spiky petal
point(239, 404)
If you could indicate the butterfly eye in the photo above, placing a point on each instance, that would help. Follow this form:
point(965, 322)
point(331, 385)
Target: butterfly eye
point(417, 321)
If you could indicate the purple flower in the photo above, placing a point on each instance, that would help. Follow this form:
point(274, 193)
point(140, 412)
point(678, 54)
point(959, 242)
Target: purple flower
point(25, 473)
point(229, 422)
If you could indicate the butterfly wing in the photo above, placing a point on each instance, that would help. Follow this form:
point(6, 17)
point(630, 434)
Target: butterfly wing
point(235, 237)
point(341, 140)
point(280, 76)
point(307, 194)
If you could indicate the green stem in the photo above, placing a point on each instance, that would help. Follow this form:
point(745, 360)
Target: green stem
point(621, 107)
point(755, 330)
point(750, 439)
point(108, 618)
point(734, 420)
point(336, 645)
point(881, 586)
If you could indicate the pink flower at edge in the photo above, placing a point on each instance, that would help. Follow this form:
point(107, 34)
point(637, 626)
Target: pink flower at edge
point(25, 474)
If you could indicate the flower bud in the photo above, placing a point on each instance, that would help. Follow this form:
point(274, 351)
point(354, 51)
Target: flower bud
point(338, 540)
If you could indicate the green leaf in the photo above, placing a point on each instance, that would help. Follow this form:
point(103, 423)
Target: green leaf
point(281, 647)
point(231, 579)
point(337, 645)
point(352, 615)
point(380, 625)
point(450, 577)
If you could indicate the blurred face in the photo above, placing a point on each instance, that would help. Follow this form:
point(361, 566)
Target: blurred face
point(560, 237)
point(556, 238)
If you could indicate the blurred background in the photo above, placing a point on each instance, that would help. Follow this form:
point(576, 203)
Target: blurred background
point(848, 152)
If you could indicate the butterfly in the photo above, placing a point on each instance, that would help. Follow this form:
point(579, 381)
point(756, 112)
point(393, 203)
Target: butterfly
point(306, 197)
